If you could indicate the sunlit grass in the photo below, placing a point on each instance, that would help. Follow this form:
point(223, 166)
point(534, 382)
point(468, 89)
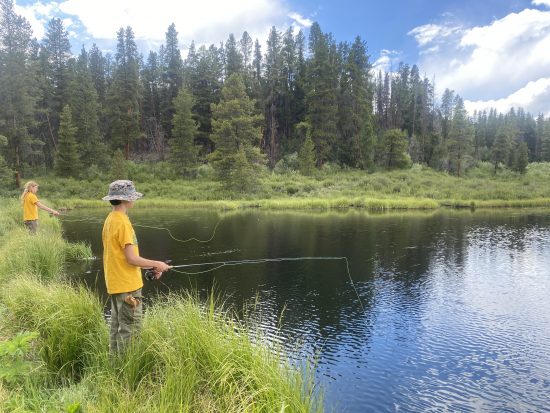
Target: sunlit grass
point(191, 356)
point(43, 255)
point(332, 188)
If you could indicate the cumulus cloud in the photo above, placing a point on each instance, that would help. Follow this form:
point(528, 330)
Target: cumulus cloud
point(493, 63)
point(430, 33)
point(387, 61)
point(302, 21)
point(38, 15)
point(535, 96)
point(205, 21)
point(541, 3)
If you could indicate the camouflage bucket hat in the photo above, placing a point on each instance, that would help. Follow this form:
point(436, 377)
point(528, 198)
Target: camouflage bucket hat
point(122, 190)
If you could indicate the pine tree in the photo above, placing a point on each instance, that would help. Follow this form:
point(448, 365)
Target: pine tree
point(125, 93)
point(172, 78)
point(183, 150)
point(521, 157)
point(274, 89)
point(447, 103)
point(393, 149)
point(204, 81)
point(66, 160)
point(17, 97)
point(119, 166)
point(233, 57)
point(321, 94)
point(151, 118)
point(236, 136)
point(96, 64)
point(355, 108)
point(57, 49)
point(84, 105)
point(500, 149)
point(460, 141)
point(545, 142)
point(306, 155)
point(245, 47)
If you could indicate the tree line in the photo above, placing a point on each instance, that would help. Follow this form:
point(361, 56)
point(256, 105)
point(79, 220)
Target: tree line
point(238, 107)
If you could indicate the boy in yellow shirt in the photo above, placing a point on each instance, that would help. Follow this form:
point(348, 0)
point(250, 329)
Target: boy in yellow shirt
point(31, 205)
point(121, 265)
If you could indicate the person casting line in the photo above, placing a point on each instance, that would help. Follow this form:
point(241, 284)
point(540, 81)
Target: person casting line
point(31, 205)
point(121, 265)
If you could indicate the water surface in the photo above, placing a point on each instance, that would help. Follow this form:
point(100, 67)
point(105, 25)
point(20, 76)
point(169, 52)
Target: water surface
point(444, 312)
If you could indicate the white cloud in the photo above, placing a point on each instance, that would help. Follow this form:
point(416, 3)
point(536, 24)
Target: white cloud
point(429, 33)
point(205, 21)
point(302, 21)
point(388, 61)
point(535, 96)
point(541, 3)
point(38, 15)
point(492, 63)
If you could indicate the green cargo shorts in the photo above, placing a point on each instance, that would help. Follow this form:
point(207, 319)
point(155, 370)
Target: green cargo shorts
point(31, 225)
point(126, 315)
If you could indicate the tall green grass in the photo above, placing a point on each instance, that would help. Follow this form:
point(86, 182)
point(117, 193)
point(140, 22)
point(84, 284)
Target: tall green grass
point(331, 188)
point(43, 255)
point(190, 357)
point(68, 318)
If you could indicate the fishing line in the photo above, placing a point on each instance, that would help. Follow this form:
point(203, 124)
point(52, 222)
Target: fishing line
point(220, 264)
point(181, 240)
point(95, 221)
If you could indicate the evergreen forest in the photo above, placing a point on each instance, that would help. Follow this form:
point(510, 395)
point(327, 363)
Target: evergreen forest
point(240, 106)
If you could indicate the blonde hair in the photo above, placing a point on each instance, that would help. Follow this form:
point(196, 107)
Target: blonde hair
point(28, 185)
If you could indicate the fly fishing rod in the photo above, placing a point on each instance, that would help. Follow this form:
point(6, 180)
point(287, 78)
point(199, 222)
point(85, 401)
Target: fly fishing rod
point(150, 273)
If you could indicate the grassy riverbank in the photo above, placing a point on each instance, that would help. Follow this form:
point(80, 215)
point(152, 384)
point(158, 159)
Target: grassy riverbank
point(192, 356)
point(330, 188)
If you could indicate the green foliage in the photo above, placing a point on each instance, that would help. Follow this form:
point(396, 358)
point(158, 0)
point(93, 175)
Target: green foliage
point(14, 365)
point(6, 174)
point(74, 408)
point(236, 135)
point(85, 110)
point(17, 105)
point(119, 166)
point(460, 143)
point(306, 156)
point(392, 150)
point(521, 158)
point(183, 149)
point(322, 91)
point(287, 164)
point(501, 149)
point(125, 93)
point(66, 161)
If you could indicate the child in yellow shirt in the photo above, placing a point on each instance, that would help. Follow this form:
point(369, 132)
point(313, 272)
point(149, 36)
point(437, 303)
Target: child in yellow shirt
point(121, 265)
point(31, 205)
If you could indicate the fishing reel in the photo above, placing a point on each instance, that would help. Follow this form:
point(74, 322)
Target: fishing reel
point(150, 273)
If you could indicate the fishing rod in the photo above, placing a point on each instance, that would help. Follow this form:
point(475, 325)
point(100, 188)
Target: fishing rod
point(150, 273)
point(151, 276)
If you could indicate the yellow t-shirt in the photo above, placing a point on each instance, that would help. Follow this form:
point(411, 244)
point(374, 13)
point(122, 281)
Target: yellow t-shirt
point(120, 276)
point(30, 210)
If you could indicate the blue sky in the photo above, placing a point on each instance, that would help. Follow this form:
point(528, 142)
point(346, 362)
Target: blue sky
point(492, 52)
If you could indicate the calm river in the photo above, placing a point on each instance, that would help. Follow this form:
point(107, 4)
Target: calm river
point(446, 311)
